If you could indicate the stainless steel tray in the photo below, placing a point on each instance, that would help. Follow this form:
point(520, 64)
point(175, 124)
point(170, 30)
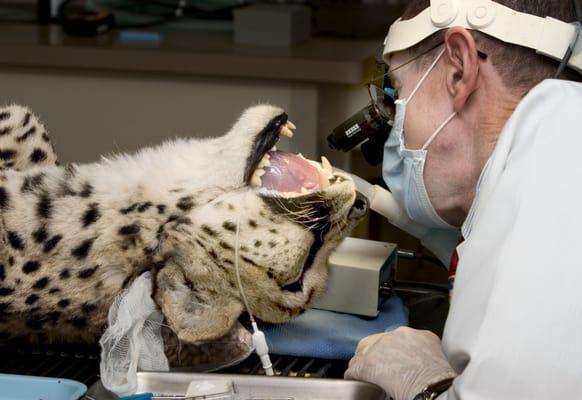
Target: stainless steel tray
point(253, 387)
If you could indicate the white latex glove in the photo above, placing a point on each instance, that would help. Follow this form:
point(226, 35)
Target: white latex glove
point(403, 362)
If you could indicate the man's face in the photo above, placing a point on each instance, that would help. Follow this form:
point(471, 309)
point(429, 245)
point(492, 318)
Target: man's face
point(425, 112)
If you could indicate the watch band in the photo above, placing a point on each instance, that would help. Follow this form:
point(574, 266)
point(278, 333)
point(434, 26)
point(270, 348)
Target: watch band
point(432, 391)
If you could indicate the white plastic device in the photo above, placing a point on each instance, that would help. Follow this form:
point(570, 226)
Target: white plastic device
point(440, 241)
point(547, 36)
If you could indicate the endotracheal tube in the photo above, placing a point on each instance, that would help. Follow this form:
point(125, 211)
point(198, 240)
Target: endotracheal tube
point(259, 340)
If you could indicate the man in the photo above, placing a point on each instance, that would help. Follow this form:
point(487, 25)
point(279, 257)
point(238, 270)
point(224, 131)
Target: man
point(485, 141)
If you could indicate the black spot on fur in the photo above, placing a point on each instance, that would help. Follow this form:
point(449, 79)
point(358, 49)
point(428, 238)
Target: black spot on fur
point(45, 137)
point(129, 209)
point(229, 226)
point(270, 274)
point(91, 215)
point(161, 208)
point(33, 298)
point(41, 283)
point(87, 190)
point(2, 272)
point(4, 115)
point(208, 230)
point(64, 303)
point(4, 198)
point(44, 206)
point(274, 231)
point(225, 246)
point(258, 243)
point(30, 267)
point(252, 223)
point(26, 119)
point(11, 261)
point(7, 154)
point(88, 308)
point(35, 323)
point(32, 182)
point(144, 206)
point(132, 229)
point(6, 291)
point(82, 251)
point(250, 261)
point(78, 322)
point(15, 241)
point(272, 244)
point(52, 243)
point(65, 274)
point(37, 156)
point(26, 134)
point(231, 207)
point(40, 235)
point(87, 272)
point(54, 290)
point(185, 203)
point(5, 131)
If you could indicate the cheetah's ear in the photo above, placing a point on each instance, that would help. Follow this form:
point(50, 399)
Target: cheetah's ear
point(196, 317)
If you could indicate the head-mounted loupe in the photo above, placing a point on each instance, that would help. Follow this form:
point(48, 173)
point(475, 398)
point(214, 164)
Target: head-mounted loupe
point(369, 127)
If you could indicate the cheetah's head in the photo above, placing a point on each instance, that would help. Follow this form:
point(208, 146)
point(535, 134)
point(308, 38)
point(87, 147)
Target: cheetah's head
point(290, 213)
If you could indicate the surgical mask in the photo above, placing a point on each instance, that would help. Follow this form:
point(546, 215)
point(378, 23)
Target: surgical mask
point(403, 169)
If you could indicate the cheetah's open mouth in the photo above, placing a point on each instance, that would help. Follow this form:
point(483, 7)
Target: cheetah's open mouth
point(282, 173)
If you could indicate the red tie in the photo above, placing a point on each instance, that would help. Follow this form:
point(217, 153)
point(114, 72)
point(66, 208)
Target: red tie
point(453, 266)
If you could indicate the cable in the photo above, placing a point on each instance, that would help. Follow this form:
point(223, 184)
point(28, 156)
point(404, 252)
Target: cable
point(259, 340)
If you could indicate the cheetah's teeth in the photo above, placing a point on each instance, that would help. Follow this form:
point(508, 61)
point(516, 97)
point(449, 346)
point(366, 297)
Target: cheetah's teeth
point(265, 162)
point(285, 131)
point(326, 165)
point(256, 181)
point(301, 156)
point(291, 125)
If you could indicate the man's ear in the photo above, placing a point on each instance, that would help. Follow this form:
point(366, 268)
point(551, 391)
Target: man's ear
point(462, 66)
point(194, 315)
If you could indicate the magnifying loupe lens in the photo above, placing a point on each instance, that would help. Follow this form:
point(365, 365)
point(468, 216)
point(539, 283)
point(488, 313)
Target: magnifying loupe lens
point(368, 122)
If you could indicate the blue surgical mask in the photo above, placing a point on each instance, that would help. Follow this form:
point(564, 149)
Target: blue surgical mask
point(403, 169)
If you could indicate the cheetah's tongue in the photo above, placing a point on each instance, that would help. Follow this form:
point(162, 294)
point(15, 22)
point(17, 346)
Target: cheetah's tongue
point(287, 172)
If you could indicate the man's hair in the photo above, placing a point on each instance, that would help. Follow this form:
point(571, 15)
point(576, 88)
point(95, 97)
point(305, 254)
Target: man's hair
point(520, 68)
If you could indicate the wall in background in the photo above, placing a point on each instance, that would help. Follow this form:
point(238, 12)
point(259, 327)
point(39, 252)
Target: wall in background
point(89, 115)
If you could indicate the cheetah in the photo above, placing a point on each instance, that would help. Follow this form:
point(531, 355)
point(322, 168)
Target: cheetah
point(74, 237)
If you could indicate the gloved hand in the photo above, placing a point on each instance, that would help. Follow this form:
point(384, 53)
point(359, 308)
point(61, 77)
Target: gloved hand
point(403, 362)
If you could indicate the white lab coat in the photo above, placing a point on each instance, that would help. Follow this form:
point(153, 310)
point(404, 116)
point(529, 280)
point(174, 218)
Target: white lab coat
point(515, 326)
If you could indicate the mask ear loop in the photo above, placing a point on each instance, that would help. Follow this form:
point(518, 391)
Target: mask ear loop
point(439, 129)
point(259, 340)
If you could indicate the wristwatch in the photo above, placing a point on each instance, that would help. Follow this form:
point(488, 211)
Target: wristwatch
point(432, 391)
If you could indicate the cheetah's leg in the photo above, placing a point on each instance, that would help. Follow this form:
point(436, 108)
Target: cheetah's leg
point(24, 142)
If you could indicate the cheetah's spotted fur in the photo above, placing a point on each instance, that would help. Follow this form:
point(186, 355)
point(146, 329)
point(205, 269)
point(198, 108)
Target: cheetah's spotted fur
point(72, 238)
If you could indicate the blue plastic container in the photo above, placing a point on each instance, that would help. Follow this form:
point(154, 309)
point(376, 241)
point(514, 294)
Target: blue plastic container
point(19, 387)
